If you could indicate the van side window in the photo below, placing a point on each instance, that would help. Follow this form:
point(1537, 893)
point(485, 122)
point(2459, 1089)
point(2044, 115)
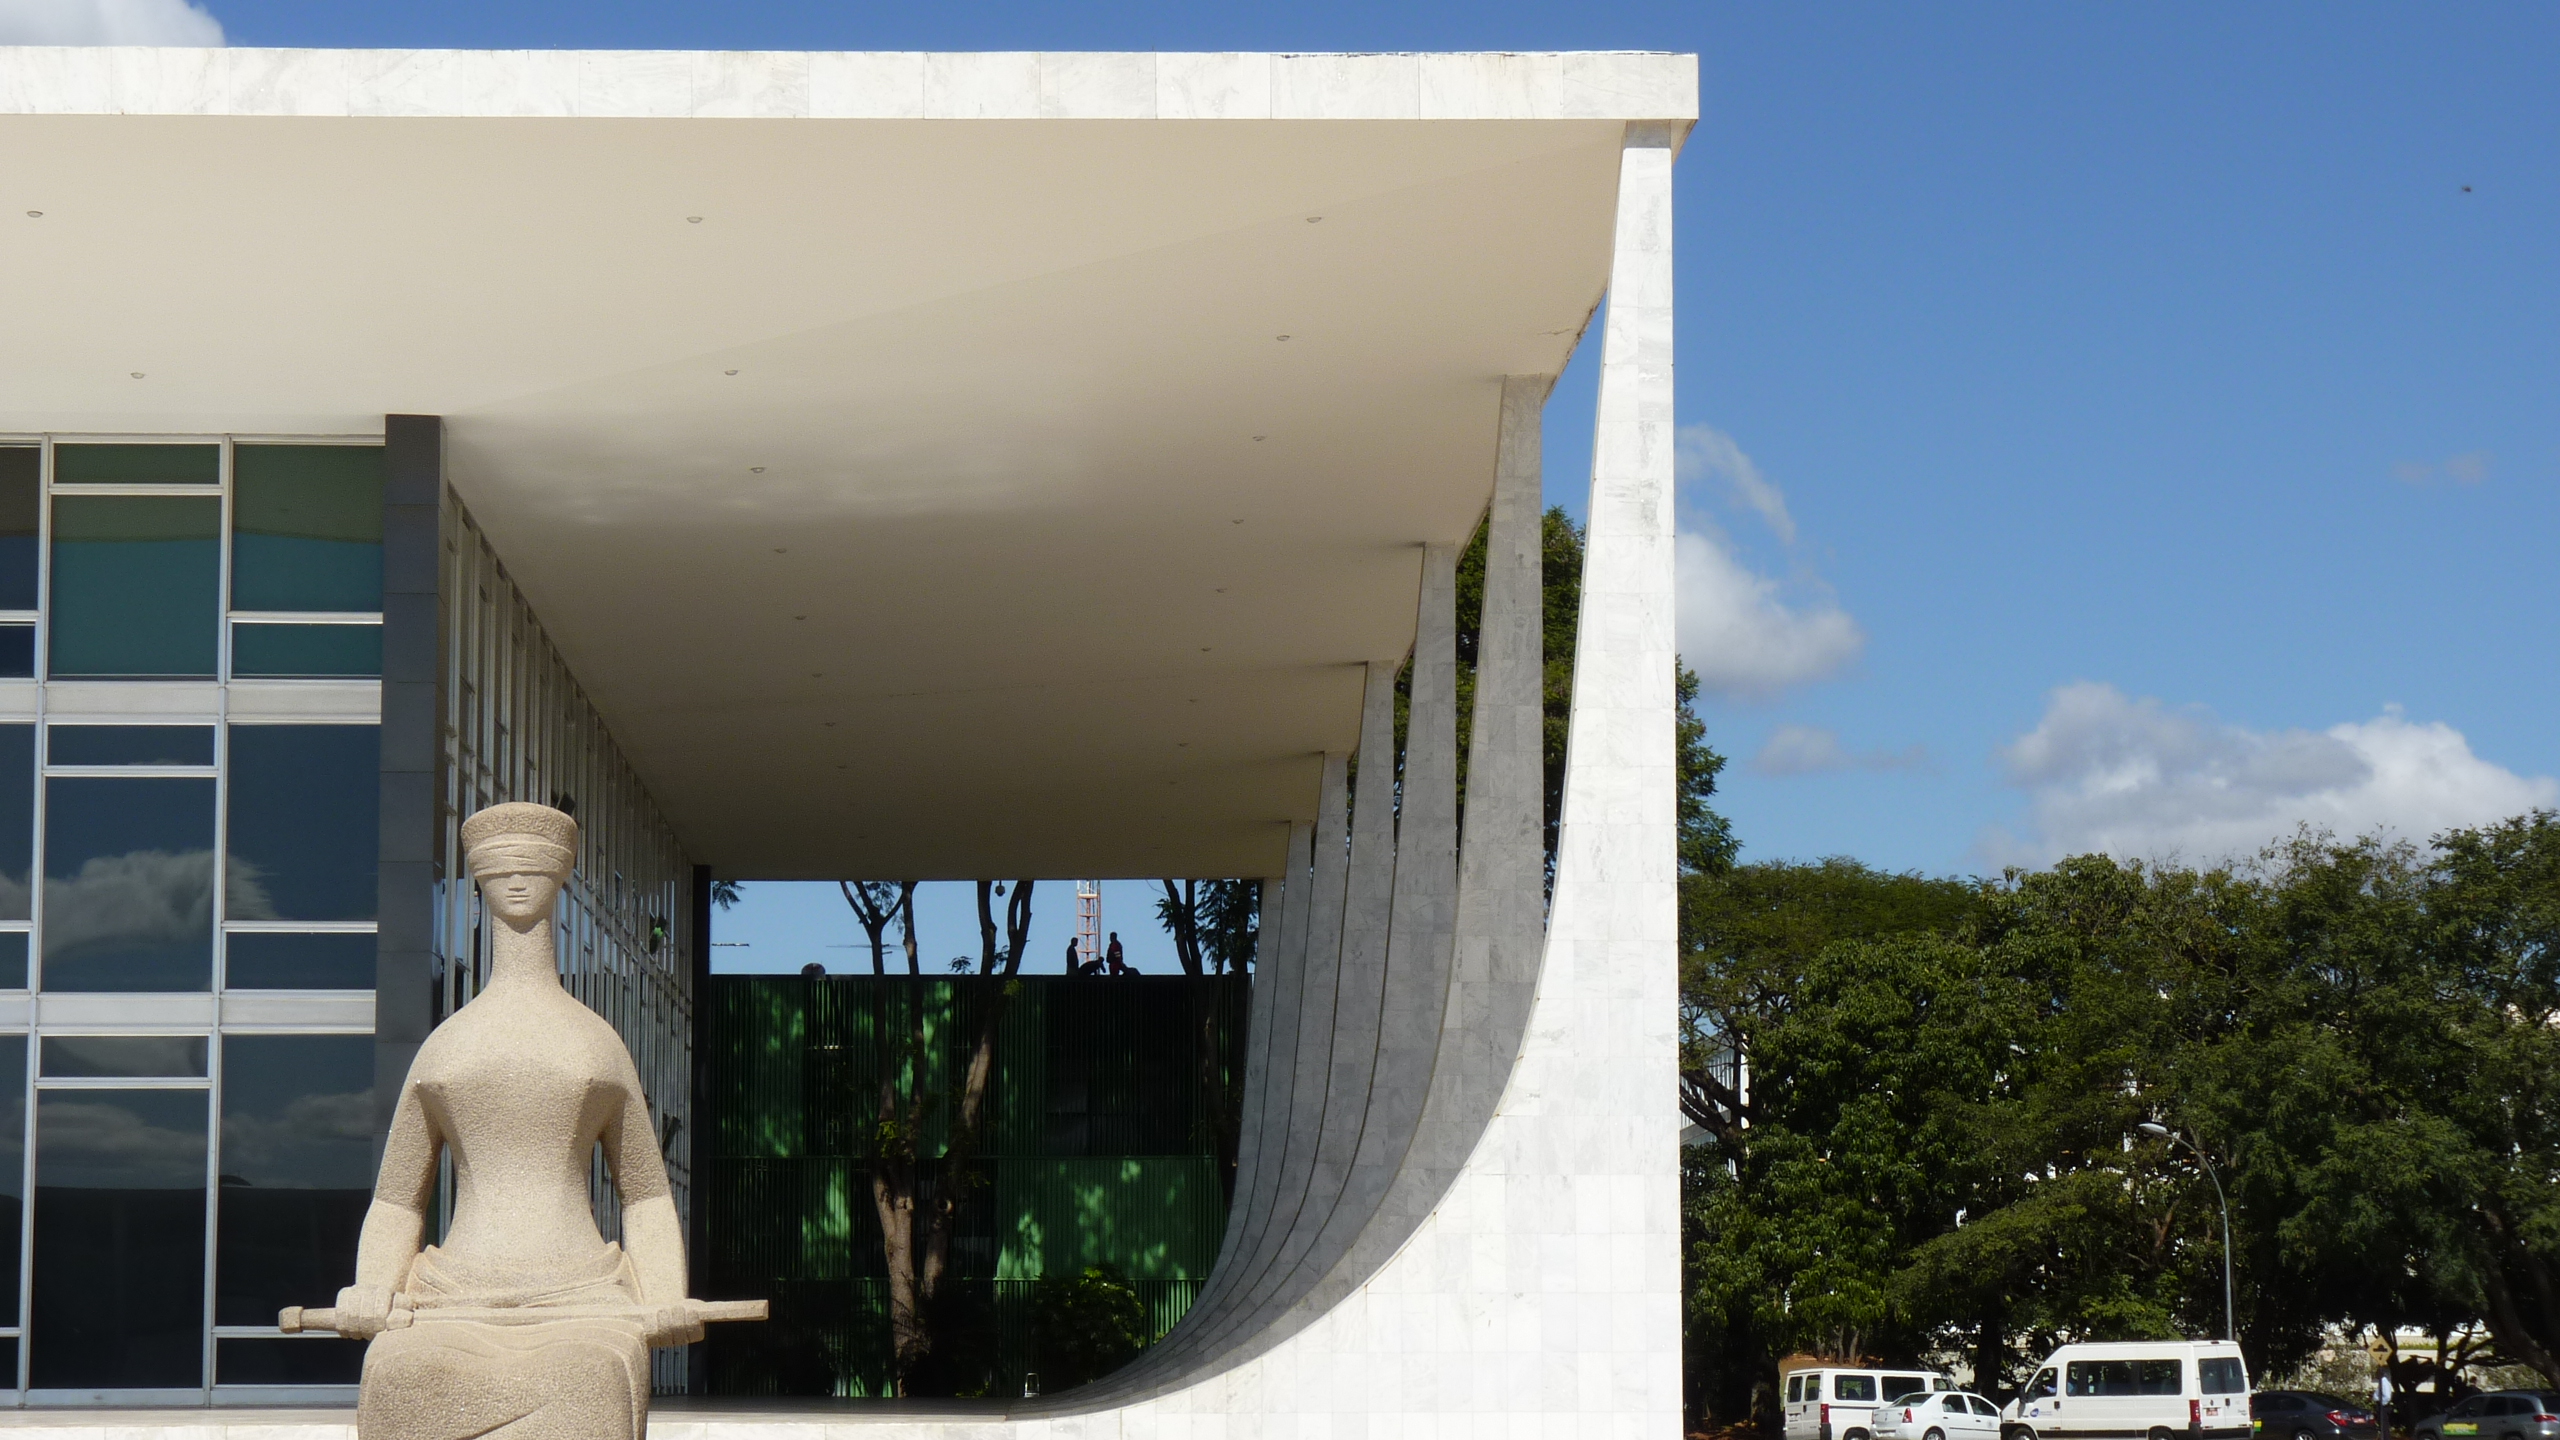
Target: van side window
point(1795, 1388)
point(2123, 1377)
point(1897, 1386)
point(2221, 1375)
point(1853, 1387)
point(2041, 1387)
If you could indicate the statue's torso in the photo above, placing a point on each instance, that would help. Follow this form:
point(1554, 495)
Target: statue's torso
point(520, 1085)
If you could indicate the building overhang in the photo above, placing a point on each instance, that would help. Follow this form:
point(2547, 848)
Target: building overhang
point(904, 450)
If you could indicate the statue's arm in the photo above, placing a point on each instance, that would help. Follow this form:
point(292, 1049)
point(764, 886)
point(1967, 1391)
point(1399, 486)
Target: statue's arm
point(651, 1233)
point(395, 1224)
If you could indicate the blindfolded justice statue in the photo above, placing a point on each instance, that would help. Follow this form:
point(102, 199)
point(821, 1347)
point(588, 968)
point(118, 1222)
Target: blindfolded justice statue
point(526, 1318)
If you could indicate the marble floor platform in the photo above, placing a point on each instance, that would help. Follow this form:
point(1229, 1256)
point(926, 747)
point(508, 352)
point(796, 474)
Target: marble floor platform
point(669, 1419)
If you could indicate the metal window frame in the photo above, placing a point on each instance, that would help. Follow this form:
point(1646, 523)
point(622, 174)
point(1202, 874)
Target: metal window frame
point(327, 1010)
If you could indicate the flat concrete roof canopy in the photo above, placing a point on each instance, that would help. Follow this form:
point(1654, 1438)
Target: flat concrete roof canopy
point(933, 466)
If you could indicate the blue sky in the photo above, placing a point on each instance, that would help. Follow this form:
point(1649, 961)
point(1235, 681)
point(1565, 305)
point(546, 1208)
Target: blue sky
point(2112, 427)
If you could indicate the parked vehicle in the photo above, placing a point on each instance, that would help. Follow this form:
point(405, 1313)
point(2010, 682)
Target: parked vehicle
point(1943, 1415)
point(2497, 1415)
point(2308, 1415)
point(2151, 1389)
point(1830, 1403)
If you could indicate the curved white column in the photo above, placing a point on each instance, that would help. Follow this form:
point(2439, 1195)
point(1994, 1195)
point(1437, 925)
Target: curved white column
point(1521, 1264)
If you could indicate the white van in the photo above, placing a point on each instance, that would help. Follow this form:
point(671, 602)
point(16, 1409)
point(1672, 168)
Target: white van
point(1830, 1403)
point(2134, 1390)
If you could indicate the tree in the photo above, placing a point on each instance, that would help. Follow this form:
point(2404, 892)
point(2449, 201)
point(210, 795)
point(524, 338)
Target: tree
point(875, 903)
point(916, 1192)
point(1213, 923)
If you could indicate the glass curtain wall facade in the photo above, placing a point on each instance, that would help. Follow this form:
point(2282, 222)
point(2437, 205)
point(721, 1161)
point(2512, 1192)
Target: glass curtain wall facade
point(192, 859)
point(516, 726)
point(190, 640)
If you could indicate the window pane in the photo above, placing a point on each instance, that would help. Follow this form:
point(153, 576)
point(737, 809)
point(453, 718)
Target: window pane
point(21, 469)
point(13, 1170)
point(137, 464)
point(119, 1239)
point(306, 526)
point(298, 652)
point(305, 834)
point(261, 961)
point(17, 818)
point(17, 652)
point(136, 584)
point(297, 1171)
point(129, 745)
point(298, 1361)
point(128, 884)
point(2220, 1375)
point(1853, 1387)
point(83, 1057)
point(13, 959)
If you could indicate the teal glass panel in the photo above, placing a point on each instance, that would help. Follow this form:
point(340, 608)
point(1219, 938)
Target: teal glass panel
point(137, 584)
point(137, 464)
point(21, 470)
point(13, 963)
point(306, 527)
point(17, 821)
point(129, 745)
point(119, 1239)
point(305, 833)
point(128, 884)
point(305, 652)
point(268, 960)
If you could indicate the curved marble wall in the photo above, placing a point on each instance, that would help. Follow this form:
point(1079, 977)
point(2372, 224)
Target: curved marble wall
point(1457, 1196)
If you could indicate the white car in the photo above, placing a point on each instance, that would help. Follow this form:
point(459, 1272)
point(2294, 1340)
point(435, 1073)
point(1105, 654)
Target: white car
point(1945, 1415)
point(1836, 1402)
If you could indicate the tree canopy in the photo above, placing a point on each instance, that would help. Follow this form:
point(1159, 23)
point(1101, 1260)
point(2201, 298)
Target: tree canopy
point(1923, 1099)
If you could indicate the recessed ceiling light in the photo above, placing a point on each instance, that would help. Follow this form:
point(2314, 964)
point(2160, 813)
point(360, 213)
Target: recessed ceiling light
point(1204, 649)
point(1259, 438)
point(35, 214)
point(755, 469)
point(728, 372)
point(693, 219)
point(1235, 522)
point(137, 374)
point(1315, 219)
point(799, 617)
point(781, 549)
point(1283, 337)
point(1222, 589)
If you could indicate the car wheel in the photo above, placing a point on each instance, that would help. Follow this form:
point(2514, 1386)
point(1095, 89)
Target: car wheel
point(2160, 1432)
point(2304, 1435)
point(1935, 1434)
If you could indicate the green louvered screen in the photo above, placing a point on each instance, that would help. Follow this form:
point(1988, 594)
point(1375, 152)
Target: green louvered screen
point(1110, 1139)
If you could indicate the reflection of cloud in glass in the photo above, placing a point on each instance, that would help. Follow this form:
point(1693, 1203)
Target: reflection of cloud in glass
point(319, 1142)
point(13, 895)
point(126, 1142)
point(244, 893)
point(146, 898)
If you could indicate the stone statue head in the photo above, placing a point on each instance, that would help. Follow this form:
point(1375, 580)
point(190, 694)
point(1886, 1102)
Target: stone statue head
point(521, 854)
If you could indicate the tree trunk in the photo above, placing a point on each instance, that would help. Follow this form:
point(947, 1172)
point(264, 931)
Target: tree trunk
point(907, 923)
point(873, 919)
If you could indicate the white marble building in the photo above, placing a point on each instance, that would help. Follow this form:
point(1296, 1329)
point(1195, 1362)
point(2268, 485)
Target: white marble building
point(902, 464)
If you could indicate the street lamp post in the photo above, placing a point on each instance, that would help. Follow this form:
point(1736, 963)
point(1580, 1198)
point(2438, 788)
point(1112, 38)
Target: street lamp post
point(2153, 1127)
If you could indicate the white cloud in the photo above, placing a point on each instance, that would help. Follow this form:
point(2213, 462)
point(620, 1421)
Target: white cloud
point(1706, 453)
point(1741, 638)
point(2468, 468)
point(1736, 627)
point(2139, 779)
point(107, 22)
point(1812, 750)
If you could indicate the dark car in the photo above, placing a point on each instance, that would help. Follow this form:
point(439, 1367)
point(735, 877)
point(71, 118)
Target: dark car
point(2497, 1415)
point(2308, 1415)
